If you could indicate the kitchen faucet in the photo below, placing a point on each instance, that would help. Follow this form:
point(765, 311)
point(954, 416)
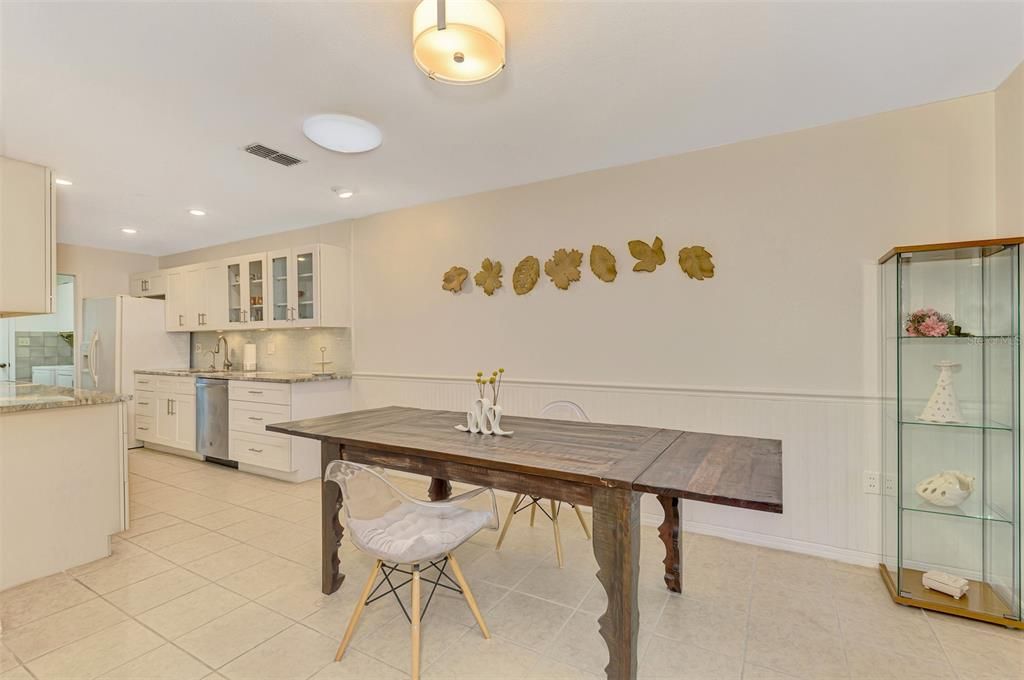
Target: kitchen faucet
point(227, 362)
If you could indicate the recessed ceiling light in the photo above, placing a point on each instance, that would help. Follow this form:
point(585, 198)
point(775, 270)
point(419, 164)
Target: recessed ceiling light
point(129, 230)
point(196, 212)
point(345, 134)
point(343, 192)
point(63, 182)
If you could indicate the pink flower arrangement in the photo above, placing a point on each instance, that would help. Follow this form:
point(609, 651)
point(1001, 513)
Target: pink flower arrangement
point(929, 323)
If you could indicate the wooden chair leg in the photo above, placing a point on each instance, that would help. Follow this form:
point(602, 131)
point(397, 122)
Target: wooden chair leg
point(558, 535)
point(533, 512)
point(583, 522)
point(470, 600)
point(508, 521)
point(360, 606)
point(414, 614)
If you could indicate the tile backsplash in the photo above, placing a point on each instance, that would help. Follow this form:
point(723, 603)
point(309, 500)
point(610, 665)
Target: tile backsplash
point(40, 348)
point(294, 349)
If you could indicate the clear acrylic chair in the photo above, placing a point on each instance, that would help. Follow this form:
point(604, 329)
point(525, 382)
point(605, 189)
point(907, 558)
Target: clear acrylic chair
point(398, 530)
point(557, 410)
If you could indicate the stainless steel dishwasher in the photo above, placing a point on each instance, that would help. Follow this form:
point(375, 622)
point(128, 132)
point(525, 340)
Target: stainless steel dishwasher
point(212, 420)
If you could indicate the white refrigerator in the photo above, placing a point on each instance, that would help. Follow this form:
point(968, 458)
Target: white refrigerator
point(123, 333)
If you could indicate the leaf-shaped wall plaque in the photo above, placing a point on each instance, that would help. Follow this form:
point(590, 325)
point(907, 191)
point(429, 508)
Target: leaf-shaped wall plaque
point(648, 256)
point(602, 263)
point(564, 267)
point(525, 276)
point(696, 263)
point(489, 276)
point(454, 278)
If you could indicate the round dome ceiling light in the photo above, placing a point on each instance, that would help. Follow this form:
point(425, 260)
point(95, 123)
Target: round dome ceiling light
point(343, 192)
point(344, 134)
point(460, 42)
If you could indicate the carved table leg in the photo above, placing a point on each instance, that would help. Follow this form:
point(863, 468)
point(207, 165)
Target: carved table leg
point(669, 533)
point(331, 530)
point(440, 489)
point(616, 530)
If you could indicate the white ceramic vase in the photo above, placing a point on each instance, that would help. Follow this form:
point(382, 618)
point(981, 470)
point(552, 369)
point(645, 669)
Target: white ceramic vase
point(483, 417)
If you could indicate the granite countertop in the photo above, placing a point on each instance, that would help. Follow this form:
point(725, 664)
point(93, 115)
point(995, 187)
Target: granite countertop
point(254, 376)
point(29, 397)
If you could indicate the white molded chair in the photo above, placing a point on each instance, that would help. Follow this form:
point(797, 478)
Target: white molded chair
point(557, 410)
point(397, 529)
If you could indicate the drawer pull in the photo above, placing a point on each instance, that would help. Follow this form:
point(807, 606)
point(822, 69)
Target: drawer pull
point(143, 382)
point(255, 391)
point(143, 403)
point(255, 418)
point(141, 427)
point(255, 450)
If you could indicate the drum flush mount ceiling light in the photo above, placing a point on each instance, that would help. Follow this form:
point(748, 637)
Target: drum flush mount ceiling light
point(458, 41)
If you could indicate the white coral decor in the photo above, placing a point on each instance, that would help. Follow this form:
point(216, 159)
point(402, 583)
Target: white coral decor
point(948, 488)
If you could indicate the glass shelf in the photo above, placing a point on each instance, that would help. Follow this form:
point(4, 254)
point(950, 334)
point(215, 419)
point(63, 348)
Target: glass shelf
point(921, 505)
point(991, 425)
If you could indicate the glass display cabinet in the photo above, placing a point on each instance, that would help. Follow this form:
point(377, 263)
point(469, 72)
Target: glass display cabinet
point(951, 428)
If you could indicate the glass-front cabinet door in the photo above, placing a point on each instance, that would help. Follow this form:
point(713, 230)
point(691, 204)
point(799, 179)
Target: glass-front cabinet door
point(246, 285)
point(281, 287)
point(306, 304)
point(951, 428)
point(294, 287)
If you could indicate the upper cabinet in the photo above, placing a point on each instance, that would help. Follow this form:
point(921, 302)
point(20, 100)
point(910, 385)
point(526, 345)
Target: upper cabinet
point(28, 239)
point(148, 284)
point(290, 288)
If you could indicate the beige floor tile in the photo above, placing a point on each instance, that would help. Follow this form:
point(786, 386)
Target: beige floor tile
point(120, 550)
point(478, 659)
point(149, 523)
point(138, 510)
point(16, 673)
point(286, 539)
point(335, 611)
point(453, 605)
point(505, 568)
point(887, 662)
point(976, 653)
point(125, 573)
point(267, 576)
point(52, 632)
point(782, 604)
point(752, 672)
point(220, 564)
point(237, 494)
point(7, 659)
point(296, 600)
point(155, 590)
point(294, 654)
point(96, 654)
point(305, 511)
point(249, 529)
point(223, 518)
point(801, 650)
point(175, 533)
point(905, 633)
point(188, 612)
point(651, 597)
point(269, 502)
point(567, 586)
point(703, 624)
point(138, 484)
point(527, 620)
point(580, 644)
point(233, 634)
point(666, 658)
point(391, 642)
point(196, 548)
point(200, 506)
point(42, 597)
point(308, 554)
point(358, 666)
point(163, 663)
point(798, 572)
point(549, 669)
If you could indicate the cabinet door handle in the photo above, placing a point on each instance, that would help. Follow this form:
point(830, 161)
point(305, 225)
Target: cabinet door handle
point(174, 407)
point(255, 391)
point(181, 320)
point(141, 427)
point(255, 418)
point(143, 382)
point(143, 403)
point(255, 450)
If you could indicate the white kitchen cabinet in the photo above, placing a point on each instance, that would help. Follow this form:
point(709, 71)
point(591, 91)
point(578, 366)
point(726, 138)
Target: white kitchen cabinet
point(166, 411)
point(148, 284)
point(309, 286)
point(28, 239)
point(205, 297)
point(246, 281)
point(175, 301)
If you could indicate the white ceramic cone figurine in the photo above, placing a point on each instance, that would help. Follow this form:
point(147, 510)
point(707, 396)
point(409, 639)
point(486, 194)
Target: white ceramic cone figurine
point(947, 489)
point(943, 406)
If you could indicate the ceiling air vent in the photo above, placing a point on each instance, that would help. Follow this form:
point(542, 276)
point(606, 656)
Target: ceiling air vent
point(273, 155)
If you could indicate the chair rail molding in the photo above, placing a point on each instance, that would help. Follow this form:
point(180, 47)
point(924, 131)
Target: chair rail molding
point(828, 438)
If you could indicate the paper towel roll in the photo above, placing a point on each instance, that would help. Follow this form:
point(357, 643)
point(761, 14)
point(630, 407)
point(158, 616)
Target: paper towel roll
point(249, 357)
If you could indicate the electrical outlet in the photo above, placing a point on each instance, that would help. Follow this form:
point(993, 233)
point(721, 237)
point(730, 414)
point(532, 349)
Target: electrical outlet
point(890, 485)
point(270, 348)
point(199, 347)
point(871, 482)
point(24, 342)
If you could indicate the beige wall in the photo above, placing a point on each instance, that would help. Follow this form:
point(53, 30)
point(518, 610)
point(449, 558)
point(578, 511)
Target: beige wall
point(1009, 117)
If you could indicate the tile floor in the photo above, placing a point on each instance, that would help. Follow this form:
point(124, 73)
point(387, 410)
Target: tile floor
point(217, 578)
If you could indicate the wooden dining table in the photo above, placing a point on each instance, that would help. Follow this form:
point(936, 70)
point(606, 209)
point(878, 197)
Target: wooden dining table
point(607, 467)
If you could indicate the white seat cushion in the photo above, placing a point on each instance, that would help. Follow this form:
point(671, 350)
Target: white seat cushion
point(411, 533)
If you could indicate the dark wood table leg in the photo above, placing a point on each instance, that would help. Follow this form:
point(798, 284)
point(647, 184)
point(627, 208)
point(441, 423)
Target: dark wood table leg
point(440, 489)
point(617, 548)
point(669, 533)
point(331, 530)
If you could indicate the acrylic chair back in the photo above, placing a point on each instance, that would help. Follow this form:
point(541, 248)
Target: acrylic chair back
point(366, 493)
point(564, 410)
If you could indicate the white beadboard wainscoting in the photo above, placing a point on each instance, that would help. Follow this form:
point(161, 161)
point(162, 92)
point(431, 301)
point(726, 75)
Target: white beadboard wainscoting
point(828, 441)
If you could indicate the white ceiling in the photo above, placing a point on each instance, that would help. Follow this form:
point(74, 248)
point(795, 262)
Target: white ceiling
point(146, 106)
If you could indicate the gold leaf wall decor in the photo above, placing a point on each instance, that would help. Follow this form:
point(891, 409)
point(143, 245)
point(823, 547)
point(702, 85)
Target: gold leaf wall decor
point(454, 278)
point(489, 276)
point(649, 256)
point(564, 267)
point(696, 263)
point(602, 263)
point(525, 276)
